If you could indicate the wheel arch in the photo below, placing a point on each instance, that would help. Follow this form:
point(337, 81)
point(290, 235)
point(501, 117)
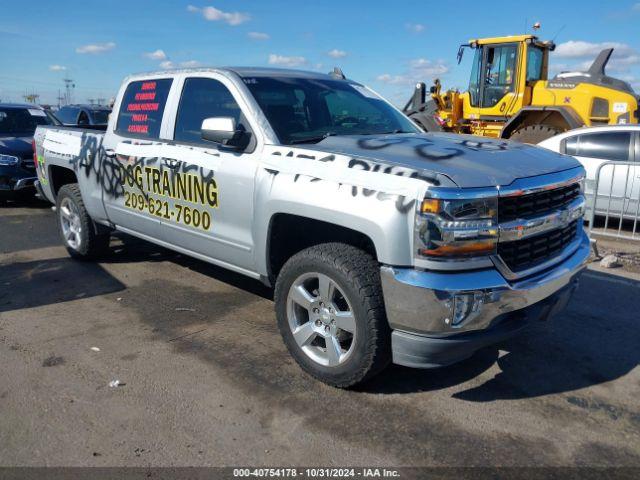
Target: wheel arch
point(282, 245)
point(565, 118)
point(59, 177)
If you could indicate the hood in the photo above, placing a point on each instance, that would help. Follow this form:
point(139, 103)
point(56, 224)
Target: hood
point(469, 161)
point(17, 146)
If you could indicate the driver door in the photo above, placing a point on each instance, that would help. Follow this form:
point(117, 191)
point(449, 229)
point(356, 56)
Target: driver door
point(209, 188)
point(498, 79)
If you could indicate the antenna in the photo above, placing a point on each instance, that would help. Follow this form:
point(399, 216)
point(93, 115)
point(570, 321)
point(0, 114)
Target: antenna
point(558, 32)
point(68, 85)
point(60, 99)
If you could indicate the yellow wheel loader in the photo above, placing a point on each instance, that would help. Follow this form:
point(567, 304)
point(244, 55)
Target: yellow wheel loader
point(509, 95)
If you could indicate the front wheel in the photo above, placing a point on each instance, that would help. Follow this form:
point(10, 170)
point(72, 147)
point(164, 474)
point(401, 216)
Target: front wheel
point(76, 226)
point(330, 312)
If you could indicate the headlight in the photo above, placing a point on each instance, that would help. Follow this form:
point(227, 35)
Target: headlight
point(9, 160)
point(454, 229)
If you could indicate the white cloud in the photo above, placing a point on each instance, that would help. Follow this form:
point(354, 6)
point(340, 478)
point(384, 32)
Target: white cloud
point(258, 36)
point(157, 55)
point(420, 70)
point(636, 7)
point(57, 68)
point(169, 65)
point(96, 48)
point(624, 56)
point(286, 61)
point(580, 49)
point(415, 27)
point(215, 15)
point(335, 53)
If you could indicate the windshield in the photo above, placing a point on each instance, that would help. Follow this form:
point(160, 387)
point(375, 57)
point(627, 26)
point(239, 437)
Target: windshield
point(22, 121)
point(307, 110)
point(100, 117)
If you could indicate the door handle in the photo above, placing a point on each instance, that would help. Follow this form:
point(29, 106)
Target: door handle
point(110, 152)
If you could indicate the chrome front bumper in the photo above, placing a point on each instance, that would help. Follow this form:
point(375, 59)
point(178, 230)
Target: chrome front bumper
point(424, 302)
point(25, 183)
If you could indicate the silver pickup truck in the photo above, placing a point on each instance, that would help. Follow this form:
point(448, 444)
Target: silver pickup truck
point(382, 243)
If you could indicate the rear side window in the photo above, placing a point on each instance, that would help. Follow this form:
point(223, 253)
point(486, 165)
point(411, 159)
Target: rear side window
point(604, 146)
point(142, 108)
point(67, 115)
point(203, 98)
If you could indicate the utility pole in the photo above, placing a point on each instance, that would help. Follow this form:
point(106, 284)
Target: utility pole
point(31, 97)
point(60, 99)
point(68, 85)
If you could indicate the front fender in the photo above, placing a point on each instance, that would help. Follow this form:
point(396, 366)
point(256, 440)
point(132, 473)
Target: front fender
point(386, 219)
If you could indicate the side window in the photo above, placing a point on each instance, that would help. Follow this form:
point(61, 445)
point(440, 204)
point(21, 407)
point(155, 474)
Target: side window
point(605, 145)
point(67, 115)
point(535, 57)
point(83, 119)
point(203, 98)
point(142, 108)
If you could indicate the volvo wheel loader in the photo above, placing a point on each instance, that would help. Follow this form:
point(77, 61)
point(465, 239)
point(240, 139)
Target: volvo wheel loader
point(510, 96)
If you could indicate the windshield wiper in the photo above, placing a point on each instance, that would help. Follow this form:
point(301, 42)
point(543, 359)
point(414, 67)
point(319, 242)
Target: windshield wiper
point(315, 139)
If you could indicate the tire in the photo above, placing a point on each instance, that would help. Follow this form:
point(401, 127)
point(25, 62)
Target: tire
point(76, 227)
point(354, 303)
point(425, 117)
point(534, 134)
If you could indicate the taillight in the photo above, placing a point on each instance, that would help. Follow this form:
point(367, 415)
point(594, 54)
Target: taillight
point(35, 157)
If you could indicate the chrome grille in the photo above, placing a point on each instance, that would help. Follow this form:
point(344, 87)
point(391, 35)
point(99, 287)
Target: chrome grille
point(522, 206)
point(527, 253)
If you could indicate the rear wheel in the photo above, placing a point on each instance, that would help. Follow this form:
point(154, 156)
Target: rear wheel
point(76, 226)
point(534, 134)
point(331, 314)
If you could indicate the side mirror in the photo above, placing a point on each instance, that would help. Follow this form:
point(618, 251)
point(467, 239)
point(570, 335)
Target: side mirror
point(223, 130)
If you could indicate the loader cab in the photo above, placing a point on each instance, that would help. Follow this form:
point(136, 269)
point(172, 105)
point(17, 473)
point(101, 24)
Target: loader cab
point(503, 74)
point(493, 75)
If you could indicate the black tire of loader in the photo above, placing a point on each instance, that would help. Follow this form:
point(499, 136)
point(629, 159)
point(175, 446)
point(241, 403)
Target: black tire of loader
point(534, 134)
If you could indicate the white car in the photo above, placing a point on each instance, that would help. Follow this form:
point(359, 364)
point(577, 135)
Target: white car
point(619, 186)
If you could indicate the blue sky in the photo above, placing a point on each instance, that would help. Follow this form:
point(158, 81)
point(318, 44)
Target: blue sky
point(386, 45)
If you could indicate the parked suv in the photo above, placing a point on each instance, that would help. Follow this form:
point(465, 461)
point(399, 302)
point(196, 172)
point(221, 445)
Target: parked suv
point(17, 168)
point(84, 115)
